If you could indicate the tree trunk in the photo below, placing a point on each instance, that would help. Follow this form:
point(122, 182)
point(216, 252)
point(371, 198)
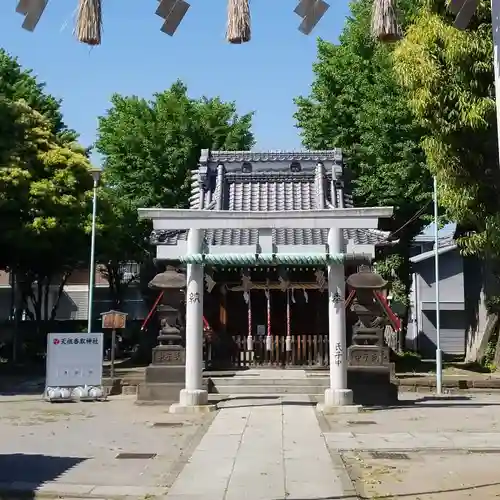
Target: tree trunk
point(18, 314)
point(25, 284)
point(496, 357)
point(60, 291)
point(46, 296)
point(117, 285)
point(480, 285)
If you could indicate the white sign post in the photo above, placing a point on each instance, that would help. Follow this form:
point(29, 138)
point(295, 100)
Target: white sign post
point(74, 366)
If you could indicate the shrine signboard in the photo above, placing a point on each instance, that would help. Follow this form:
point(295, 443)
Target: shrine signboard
point(74, 359)
point(113, 320)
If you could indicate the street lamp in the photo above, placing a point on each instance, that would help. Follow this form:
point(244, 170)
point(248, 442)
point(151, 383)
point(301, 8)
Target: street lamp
point(96, 175)
point(439, 354)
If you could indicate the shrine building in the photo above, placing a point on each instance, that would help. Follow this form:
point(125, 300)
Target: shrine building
point(268, 241)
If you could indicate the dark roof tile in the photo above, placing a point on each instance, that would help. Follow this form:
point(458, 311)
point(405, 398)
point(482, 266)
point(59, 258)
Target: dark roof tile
point(271, 186)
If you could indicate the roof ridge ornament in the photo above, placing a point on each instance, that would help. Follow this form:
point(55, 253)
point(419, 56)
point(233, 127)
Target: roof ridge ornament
point(320, 155)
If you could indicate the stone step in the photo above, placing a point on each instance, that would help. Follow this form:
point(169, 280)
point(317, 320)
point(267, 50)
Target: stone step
point(277, 390)
point(269, 397)
point(265, 381)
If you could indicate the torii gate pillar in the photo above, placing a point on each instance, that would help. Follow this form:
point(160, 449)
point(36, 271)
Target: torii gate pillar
point(194, 398)
point(338, 398)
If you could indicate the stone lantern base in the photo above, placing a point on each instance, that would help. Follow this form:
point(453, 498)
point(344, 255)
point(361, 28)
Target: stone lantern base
point(165, 376)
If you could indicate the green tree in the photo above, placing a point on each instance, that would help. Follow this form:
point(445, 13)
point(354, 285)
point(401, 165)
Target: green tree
point(149, 147)
point(448, 75)
point(356, 103)
point(121, 243)
point(449, 78)
point(44, 193)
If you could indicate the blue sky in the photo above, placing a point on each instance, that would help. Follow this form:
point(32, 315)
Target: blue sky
point(136, 58)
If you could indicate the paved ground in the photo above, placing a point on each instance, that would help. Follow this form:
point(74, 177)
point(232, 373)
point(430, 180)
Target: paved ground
point(260, 449)
point(263, 449)
point(427, 449)
point(73, 447)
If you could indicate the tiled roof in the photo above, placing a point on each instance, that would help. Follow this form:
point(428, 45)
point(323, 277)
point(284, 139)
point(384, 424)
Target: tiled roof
point(221, 182)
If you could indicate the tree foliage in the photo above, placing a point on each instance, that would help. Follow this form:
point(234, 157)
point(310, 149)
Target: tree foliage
point(449, 78)
point(121, 243)
point(44, 185)
point(357, 104)
point(44, 192)
point(149, 147)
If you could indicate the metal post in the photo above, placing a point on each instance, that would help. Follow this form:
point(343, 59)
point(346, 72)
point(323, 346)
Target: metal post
point(113, 349)
point(92, 257)
point(439, 356)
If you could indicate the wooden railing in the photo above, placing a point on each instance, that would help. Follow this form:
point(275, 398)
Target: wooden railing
point(307, 350)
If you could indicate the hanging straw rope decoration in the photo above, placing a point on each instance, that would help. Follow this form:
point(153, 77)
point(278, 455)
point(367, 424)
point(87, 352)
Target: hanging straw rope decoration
point(385, 26)
point(89, 22)
point(238, 21)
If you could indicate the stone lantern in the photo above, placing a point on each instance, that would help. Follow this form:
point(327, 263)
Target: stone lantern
point(165, 376)
point(369, 367)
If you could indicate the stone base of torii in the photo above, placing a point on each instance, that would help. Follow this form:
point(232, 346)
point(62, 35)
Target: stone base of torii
point(194, 397)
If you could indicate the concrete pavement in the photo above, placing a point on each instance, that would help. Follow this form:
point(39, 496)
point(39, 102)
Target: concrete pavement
point(260, 448)
point(113, 449)
point(426, 448)
point(263, 449)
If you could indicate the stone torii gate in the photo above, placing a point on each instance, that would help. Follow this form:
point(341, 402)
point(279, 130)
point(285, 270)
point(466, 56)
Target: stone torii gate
point(193, 397)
